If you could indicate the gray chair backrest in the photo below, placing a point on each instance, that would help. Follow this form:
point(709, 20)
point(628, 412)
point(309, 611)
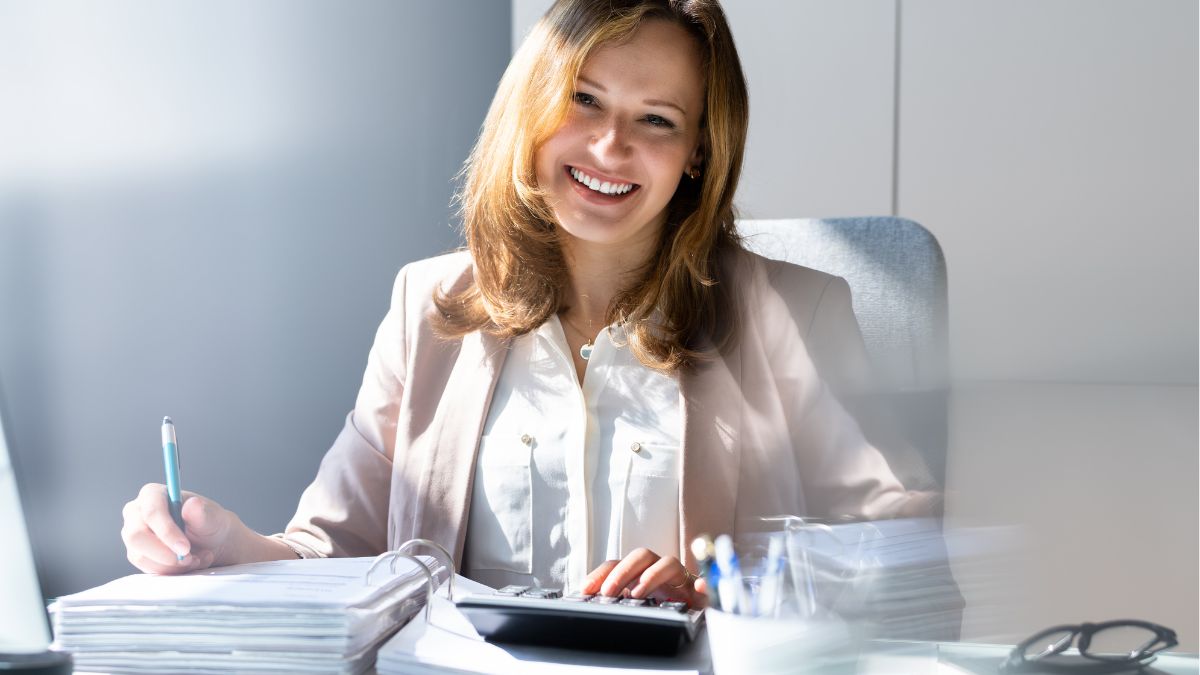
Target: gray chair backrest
point(897, 277)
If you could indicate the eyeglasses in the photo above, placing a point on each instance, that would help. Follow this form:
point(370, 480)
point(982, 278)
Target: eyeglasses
point(1105, 647)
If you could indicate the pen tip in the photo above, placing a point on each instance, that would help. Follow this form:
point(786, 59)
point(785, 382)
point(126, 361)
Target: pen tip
point(167, 420)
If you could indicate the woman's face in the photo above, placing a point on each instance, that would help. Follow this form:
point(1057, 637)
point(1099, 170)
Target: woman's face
point(632, 132)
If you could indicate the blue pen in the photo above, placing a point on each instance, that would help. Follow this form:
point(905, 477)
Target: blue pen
point(729, 584)
point(171, 465)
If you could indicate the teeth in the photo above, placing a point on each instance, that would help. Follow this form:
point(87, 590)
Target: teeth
point(603, 187)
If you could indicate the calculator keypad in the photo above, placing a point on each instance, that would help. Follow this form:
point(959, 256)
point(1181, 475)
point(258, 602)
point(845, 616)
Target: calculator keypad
point(556, 594)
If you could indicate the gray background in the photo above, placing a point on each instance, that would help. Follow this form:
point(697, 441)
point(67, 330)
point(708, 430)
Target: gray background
point(202, 205)
point(202, 208)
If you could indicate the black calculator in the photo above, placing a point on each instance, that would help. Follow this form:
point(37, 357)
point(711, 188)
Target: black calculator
point(544, 616)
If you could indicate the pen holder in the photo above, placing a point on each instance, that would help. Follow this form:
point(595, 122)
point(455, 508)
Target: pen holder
point(762, 646)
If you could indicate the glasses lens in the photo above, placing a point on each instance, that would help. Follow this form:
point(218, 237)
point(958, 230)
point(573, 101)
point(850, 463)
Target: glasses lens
point(1121, 643)
point(1047, 644)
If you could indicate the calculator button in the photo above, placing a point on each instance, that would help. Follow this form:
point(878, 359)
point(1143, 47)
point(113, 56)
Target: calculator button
point(577, 597)
point(676, 606)
point(512, 590)
point(634, 602)
point(547, 593)
point(606, 600)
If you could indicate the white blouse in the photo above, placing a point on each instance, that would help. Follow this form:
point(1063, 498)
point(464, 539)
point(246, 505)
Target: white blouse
point(569, 476)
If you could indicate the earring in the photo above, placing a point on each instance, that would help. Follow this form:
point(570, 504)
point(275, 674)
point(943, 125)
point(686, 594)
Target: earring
point(693, 173)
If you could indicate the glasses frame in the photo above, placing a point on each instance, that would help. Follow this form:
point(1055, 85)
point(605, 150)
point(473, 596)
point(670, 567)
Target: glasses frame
point(1081, 636)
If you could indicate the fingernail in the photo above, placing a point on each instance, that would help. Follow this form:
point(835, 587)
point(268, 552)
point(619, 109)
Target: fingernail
point(181, 549)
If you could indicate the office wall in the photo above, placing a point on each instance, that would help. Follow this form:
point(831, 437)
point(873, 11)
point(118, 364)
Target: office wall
point(1052, 149)
point(1051, 146)
point(202, 207)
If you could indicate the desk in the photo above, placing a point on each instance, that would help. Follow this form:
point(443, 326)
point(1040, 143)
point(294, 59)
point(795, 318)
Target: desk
point(880, 657)
point(947, 658)
point(955, 658)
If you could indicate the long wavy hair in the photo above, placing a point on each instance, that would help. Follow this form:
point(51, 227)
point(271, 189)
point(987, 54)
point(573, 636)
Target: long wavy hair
point(679, 305)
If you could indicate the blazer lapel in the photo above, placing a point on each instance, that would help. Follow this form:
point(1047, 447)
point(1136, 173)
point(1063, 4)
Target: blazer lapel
point(451, 469)
point(712, 420)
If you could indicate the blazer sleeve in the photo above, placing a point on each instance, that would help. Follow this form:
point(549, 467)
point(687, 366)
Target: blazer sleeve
point(344, 512)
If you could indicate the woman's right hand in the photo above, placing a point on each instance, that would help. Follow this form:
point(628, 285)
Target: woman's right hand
point(153, 541)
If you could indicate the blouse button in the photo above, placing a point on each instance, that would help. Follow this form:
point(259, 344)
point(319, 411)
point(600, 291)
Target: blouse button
point(636, 447)
point(527, 439)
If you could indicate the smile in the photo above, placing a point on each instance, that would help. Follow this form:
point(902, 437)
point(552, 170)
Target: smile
point(610, 188)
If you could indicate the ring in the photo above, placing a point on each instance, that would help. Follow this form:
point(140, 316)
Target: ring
point(688, 578)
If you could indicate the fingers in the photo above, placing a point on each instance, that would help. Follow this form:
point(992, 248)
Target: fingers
point(203, 517)
point(153, 541)
point(148, 553)
point(151, 505)
point(667, 573)
point(591, 584)
point(627, 571)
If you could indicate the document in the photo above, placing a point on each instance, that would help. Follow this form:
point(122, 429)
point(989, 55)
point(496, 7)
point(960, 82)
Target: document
point(303, 616)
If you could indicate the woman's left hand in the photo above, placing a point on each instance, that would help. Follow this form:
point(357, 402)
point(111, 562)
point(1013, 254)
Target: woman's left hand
point(645, 574)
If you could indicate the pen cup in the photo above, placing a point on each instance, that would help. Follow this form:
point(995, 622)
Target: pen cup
point(745, 644)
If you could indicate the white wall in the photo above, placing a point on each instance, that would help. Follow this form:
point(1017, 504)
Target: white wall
point(1052, 149)
point(1051, 146)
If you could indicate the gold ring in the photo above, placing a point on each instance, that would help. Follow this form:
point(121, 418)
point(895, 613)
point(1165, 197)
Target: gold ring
point(688, 578)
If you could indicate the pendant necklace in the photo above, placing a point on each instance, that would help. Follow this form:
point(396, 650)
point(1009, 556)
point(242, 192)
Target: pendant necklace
point(585, 349)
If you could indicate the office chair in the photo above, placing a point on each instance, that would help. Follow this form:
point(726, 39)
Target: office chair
point(897, 277)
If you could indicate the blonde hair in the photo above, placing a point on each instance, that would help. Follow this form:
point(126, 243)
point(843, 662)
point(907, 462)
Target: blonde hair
point(680, 306)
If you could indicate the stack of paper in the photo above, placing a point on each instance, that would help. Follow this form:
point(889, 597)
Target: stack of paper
point(448, 643)
point(295, 616)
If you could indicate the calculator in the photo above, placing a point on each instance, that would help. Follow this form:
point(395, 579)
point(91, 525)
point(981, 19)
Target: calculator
point(544, 616)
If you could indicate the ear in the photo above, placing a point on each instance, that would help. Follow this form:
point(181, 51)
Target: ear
point(697, 158)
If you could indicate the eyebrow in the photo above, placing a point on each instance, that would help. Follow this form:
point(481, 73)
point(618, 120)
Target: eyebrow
point(649, 101)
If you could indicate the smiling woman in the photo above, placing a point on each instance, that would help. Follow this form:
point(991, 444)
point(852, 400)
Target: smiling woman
point(637, 94)
point(604, 373)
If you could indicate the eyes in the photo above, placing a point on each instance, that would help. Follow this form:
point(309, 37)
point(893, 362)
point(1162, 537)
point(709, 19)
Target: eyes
point(658, 121)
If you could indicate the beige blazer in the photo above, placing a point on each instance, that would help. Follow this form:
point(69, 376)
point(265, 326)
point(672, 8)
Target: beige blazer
point(762, 433)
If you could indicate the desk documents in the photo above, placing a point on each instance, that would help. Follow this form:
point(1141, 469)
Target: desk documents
point(301, 616)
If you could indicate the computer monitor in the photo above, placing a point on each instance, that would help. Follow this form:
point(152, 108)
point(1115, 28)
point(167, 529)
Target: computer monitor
point(24, 632)
point(23, 627)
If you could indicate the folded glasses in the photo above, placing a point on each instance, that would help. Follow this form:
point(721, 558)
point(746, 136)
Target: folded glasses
point(1107, 647)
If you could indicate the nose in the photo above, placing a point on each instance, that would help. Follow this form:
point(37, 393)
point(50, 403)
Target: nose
point(610, 141)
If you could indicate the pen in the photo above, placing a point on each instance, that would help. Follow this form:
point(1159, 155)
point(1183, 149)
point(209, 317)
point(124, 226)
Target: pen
point(770, 595)
point(171, 466)
point(731, 578)
point(702, 551)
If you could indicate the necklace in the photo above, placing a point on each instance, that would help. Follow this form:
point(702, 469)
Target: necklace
point(585, 349)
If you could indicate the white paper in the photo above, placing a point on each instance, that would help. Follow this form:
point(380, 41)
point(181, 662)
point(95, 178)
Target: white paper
point(303, 616)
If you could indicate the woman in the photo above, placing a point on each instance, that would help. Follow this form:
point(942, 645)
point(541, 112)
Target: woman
point(604, 373)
